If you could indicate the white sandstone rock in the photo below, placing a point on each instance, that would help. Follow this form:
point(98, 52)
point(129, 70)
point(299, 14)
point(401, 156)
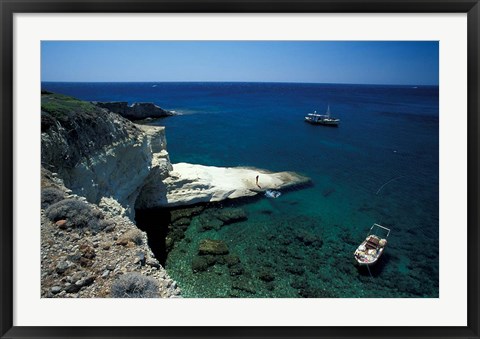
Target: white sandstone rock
point(189, 184)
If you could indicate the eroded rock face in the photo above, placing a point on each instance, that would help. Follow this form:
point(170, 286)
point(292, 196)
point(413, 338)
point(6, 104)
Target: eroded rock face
point(99, 154)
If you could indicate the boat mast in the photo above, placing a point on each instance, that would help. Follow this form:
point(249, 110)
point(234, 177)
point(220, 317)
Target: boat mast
point(328, 111)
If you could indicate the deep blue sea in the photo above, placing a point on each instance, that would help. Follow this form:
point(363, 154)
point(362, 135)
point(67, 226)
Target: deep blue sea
point(380, 166)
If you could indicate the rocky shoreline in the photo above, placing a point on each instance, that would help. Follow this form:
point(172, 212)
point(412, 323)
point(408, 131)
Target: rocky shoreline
point(98, 168)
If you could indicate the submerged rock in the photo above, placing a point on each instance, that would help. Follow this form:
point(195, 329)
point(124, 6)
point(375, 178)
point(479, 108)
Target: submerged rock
point(266, 276)
point(214, 247)
point(231, 215)
point(231, 260)
point(187, 213)
point(216, 218)
point(243, 285)
point(201, 263)
point(236, 269)
point(209, 222)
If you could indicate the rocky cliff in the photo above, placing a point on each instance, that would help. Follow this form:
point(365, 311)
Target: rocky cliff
point(136, 111)
point(99, 154)
point(94, 164)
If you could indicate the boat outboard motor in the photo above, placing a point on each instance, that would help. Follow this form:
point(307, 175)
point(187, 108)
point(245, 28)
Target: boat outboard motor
point(272, 194)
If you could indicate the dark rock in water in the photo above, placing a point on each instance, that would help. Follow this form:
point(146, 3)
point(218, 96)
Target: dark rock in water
point(314, 292)
point(309, 239)
point(211, 259)
point(270, 286)
point(136, 111)
point(182, 222)
point(231, 260)
point(214, 219)
point(236, 269)
point(231, 215)
point(199, 264)
point(169, 241)
point(285, 241)
point(209, 222)
point(266, 276)
point(243, 285)
point(347, 238)
point(298, 284)
point(267, 212)
point(295, 270)
point(185, 213)
point(173, 237)
point(294, 253)
point(326, 192)
point(214, 247)
point(305, 237)
point(261, 249)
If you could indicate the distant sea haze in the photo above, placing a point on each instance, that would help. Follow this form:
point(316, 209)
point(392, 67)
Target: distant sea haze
point(380, 165)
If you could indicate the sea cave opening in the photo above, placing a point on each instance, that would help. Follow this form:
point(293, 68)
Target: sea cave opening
point(155, 221)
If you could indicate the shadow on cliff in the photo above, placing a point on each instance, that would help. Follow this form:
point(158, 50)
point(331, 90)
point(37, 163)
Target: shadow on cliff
point(155, 221)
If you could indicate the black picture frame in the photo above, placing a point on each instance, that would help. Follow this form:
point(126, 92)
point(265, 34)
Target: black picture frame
point(10, 7)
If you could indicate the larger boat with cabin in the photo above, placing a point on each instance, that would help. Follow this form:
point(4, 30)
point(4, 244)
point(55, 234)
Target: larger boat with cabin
point(322, 119)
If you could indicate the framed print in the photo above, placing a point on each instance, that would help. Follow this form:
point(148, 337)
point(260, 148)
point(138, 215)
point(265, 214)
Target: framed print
point(239, 169)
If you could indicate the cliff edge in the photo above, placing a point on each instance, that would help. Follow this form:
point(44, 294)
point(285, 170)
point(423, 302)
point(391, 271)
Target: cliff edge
point(98, 153)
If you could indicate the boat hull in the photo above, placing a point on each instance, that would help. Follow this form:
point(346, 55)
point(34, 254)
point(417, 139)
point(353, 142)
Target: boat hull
point(323, 123)
point(367, 263)
point(372, 248)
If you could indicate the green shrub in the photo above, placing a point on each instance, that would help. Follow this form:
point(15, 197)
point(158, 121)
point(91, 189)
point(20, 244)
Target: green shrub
point(51, 195)
point(135, 285)
point(62, 106)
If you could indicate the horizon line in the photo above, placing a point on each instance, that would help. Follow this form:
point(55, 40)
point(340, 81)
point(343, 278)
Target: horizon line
point(238, 81)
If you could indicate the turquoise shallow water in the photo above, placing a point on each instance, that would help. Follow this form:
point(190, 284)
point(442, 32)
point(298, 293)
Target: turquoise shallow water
point(380, 165)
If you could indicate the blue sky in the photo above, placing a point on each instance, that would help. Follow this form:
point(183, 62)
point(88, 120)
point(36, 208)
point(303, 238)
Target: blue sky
point(357, 62)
